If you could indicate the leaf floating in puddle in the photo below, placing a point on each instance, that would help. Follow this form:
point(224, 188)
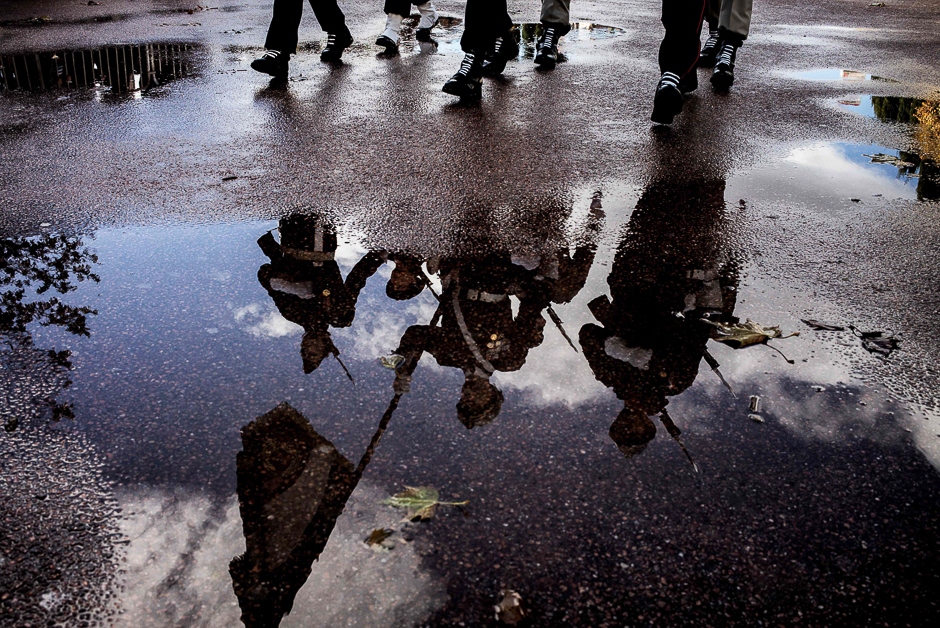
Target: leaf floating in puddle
point(391, 362)
point(378, 536)
point(509, 610)
point(876, 341)
point(819, 326)
point(891, 160)
point(747, 333)
point(421, 502)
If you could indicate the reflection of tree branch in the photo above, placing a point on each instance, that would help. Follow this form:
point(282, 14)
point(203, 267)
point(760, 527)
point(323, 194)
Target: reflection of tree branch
point(31, 267)
point(53, 262)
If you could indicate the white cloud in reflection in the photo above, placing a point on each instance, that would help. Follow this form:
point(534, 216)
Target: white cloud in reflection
point(828, 170)
point(264, 321)
point(378, 328)
point(180, 548)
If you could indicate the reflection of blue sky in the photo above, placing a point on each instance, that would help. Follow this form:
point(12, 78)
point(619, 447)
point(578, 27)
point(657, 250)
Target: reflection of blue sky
point(864, 107)
point(841, 170)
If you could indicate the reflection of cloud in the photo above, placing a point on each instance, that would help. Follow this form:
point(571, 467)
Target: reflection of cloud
point(827, 169)
point(818, 401)
point(377, 330)
point(264, 321)
point(181, 545)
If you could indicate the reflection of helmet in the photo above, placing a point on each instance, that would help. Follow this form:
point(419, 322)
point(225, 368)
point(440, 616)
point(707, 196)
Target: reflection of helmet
point(406, 281)
point(314, 347)
point(480, 402)
point(632, 431)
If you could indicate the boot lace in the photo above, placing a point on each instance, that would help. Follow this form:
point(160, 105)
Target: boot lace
point(711, 42)
point(548, 37)
point(727, 55)
point(466, 64)
point(271, 54)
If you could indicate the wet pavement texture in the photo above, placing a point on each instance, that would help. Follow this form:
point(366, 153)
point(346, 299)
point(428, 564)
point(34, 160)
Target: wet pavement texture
point(202, 272)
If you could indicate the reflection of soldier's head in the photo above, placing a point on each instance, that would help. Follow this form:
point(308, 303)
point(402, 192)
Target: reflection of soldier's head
point(632, 431)
point(480, 401)
point(406, 281)
point(314, 347)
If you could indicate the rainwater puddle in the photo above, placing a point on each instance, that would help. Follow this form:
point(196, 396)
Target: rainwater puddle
point(836, 74)
point(561, 392)
point(117, 70)
point(447, 35)
point(818, 174)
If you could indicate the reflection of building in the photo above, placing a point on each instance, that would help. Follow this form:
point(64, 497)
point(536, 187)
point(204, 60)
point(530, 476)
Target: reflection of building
point(292, 486)
point(122, 68)
point(671, 270)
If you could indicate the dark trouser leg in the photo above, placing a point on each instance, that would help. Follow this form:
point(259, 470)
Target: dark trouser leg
point(713, 14)
point(398, 7)
point(683, 21)
point(282, 34)
point(484, 21)
point(329, 16)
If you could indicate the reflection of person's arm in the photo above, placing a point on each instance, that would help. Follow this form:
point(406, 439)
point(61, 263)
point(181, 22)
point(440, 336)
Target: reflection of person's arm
point(359, 275)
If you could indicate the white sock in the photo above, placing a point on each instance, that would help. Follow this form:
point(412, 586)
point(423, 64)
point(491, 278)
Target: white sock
point(393, 26)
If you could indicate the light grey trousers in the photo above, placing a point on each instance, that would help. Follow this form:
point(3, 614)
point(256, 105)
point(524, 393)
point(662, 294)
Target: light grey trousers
point(729, 16)
point(556, 12)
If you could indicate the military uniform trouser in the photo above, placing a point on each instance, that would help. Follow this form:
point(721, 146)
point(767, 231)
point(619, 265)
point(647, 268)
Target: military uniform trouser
point(556, 13)
point(484, 21)
point(683, 21)
point(400, 7)
point(282, 34)
point(731, 17)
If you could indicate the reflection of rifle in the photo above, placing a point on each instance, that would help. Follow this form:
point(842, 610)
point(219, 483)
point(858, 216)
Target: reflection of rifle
point(713, 363)
point(674, 431)
point(560, 326)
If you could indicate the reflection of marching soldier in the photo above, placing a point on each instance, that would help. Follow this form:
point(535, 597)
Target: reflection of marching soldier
point(306, 285)
point(478, 333)
point(669, 272)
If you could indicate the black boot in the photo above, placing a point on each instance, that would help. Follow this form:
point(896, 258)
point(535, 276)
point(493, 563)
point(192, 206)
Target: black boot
point(272, 62)
point(546, 48)
point(723, 76)
point(504, 49)
point(336, 43)
point(668, 100)
point(468, 81)
point(709, 53)
point(689, 82)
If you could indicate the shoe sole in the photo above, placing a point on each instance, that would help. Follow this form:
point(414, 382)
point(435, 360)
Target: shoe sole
point(391, 48)
point(274, 74)
point(722, 81)
point(548, 64)
point(666, 106)
point(454, 91)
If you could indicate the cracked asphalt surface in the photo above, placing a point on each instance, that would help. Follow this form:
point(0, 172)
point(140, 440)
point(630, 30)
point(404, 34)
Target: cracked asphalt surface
point(121, 501)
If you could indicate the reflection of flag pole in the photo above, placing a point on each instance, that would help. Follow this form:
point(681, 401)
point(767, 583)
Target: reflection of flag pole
point(674, 431)
point(336, 355)
point(713, 363)
point(383, 425)
point(560, 326)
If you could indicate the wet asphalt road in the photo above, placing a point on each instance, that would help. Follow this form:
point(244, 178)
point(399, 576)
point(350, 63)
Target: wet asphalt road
point(824, 515)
